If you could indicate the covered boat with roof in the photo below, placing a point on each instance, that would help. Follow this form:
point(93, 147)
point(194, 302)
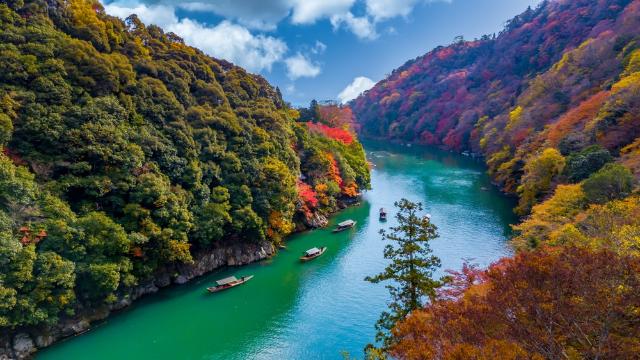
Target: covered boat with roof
point(229, 282)
point(345, 225)
point(313, 253)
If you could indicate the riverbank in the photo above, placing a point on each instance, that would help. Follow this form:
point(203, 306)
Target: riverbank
point(25, 342)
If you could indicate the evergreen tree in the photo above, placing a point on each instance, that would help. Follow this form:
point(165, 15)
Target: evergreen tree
point(411, 269)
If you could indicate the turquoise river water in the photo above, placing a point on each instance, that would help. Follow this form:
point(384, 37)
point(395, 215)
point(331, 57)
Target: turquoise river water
point(315, 310)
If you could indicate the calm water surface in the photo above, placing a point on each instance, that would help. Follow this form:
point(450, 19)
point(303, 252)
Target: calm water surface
point(318, 309)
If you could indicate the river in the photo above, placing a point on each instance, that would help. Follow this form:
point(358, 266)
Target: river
point(319, 309)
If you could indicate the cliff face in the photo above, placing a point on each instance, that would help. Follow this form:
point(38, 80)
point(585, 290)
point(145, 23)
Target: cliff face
point(560, 75)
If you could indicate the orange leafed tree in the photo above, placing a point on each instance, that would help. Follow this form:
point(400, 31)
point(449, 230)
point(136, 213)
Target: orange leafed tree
point(552, 303)
point(580, 115)
point(338, 134)
point(350, 189)
point(334, 171)
point(336, 116)
point(307, 194)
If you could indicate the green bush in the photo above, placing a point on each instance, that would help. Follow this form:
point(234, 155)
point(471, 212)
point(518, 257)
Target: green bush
point(612, 182)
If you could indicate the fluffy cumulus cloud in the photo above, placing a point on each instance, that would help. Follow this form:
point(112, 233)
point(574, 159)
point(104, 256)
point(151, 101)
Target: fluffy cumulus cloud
point(300, 66)
point(232, 42)
point(357, 87)
point(226, 40)
point(361, 27)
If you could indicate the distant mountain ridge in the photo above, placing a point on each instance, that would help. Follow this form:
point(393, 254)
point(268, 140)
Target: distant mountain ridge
point(546, 80)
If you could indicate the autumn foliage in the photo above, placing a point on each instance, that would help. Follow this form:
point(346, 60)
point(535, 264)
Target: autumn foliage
point(564, 75)
point(307, 194)
point(336, 116)
point(339, 134)
point(552, 303)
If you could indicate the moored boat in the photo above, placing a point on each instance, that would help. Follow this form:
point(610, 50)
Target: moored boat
point(228, 283)
point(345, 225)
point(313, 253)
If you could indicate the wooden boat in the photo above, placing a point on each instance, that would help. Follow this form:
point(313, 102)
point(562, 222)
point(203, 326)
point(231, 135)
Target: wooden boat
point(313, 253)
point(345, 225)
point(383, 215)
point(228, 283)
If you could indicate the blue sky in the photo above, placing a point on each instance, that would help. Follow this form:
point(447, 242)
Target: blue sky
point(322, 49)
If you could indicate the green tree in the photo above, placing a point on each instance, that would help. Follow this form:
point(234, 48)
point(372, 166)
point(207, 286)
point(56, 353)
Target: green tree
point(612, 182)
point(411, 268)
point(584, 163)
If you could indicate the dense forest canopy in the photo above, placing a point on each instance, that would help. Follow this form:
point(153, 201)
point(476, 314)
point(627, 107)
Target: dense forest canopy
point(124, 150)
point(553, 105)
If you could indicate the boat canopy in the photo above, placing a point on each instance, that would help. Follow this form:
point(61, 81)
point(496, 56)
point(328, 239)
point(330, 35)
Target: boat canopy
point(226, 281)
point(312, 251)
point(346, 223)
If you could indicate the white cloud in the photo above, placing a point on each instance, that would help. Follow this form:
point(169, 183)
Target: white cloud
point(290, 89)
point(226, 40)
point(265, 15)
point(319, 47)
point(160, 15)
point(300, 66)
point(386, 9)
point(232, 42)
point(357, 87)
point(362, 27)
point(308, 11)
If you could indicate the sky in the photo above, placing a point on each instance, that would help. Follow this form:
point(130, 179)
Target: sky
point(321, 49)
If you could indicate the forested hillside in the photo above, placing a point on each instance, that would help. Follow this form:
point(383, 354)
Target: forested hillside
point(562, 76)
point(553, 105)
point(124, 150)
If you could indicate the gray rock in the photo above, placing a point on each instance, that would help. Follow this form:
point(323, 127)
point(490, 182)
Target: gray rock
point(316, 221)
point(80, 326)
point(23, 346)
point(44, 340)
point(121, 303)
point(181, 279)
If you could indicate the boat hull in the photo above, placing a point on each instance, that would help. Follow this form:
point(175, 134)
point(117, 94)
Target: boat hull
point(341, 229)
point(215, 289)
point(309, 258)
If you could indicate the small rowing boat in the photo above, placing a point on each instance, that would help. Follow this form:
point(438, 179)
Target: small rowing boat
point(313, 253)
point(345, 225)
point(228, 283)
point(383, 215)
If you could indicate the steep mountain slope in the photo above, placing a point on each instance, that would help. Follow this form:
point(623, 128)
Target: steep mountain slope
point(553, 104)
point(563, 76)
point(125, 151)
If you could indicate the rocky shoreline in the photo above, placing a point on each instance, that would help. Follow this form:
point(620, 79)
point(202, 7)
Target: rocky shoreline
point(24, 343)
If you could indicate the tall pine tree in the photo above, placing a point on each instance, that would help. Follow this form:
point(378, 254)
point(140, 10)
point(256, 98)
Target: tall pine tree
point(411, 269)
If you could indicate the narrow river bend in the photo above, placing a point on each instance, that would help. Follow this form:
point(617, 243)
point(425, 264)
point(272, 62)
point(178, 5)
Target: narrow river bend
point(318, 309)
